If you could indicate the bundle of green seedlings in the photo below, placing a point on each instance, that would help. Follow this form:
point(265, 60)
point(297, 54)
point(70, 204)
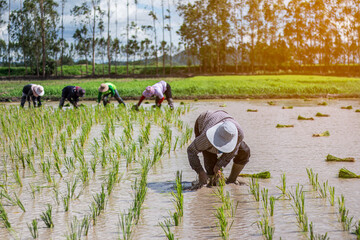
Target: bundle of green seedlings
point(226, 212)
point(347, 107)
point(331, 158)
point(265, 174)
point(252, 110)
point(318, 114)
point(284, 126)
point(344, 173)
point(287, 107)
point(304, 118)
point(324, 134)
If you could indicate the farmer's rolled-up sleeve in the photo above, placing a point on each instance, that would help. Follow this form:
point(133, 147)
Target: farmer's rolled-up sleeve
point(201, 143)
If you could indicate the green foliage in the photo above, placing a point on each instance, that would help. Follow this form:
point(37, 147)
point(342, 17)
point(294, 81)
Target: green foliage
point(265, 174)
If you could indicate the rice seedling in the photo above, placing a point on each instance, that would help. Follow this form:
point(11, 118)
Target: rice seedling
point(4, 217)
point(272, 205)
point(318, 114)
point(331, 158)
point(331, 195)
point(69, 164)
point(254, 188)
point(344, 173)
point(313, 178)
point(19, 203)
point(178, 199)
point(252, 110)
point(126, 223)
point(46, 217)
point(33, 228)
point(85, 224)
point(357, 230)
point(347, 107)
point(344, 214)
point(357, 110)
point(322, 189)
point(99, 199)
point(265, 199)
point(287, 107)
point(271, 103)
point(167, 230)
point(313, 236)
point(284, 126)
point(266, 230)
point(323, 104)
point(324, 134)
point(283, 185)
point(265, 174)
point(17, 176)
point(299, 208)
point(66, 202)
point(223, 223)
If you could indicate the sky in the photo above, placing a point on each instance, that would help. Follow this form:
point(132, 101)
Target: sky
point(117, 12)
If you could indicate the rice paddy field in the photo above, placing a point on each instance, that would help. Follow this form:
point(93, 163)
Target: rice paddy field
point(262, 86)
point(114, 173)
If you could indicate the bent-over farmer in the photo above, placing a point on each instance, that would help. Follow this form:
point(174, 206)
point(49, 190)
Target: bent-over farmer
point(216, 132)
point(34, 92)
point(158, 90)
point(72, 94)
point(106, 90)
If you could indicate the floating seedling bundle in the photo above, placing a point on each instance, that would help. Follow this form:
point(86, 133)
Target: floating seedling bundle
point(344, 173)
point(265, 174)
point(331, 158)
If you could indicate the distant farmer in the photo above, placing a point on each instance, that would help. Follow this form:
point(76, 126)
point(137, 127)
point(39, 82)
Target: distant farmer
point(159, 90)
point(107, 89)
point(72, 94)
point(34, 92)
point(217, 133)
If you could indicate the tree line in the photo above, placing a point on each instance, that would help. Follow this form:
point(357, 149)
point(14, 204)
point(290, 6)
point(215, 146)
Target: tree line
point(215, 35)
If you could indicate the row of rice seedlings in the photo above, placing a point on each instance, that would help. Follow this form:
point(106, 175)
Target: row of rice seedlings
point(226, 210)
point(299, 207)
point(178, 199)
point(323, 189)
point(268, 202)
point(344, 214)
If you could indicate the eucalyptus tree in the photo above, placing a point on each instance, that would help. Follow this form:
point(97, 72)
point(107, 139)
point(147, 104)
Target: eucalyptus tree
point(3, 49)
point(82, 43)
point(9, 39)
point(145, 49)
point(163, 43)
point(169, 28)
point(127, 37)
point(62, 42)
point(115, 49)
point(90, 17)
point(108, 37)
point(2, 10)
point(152, 14)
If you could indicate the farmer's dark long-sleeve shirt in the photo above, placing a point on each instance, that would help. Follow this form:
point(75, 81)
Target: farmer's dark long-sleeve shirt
point(69, 93)
point(201, 143)
point(27, 91)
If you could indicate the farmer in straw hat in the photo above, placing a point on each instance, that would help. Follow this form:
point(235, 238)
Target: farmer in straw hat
point(34, 92)
point(159, 90)
point(72, 94)
point(107, 89)
point(217, 133)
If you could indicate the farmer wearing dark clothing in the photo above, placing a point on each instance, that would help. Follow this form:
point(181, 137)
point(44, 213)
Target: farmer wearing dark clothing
point(217, 133)
point(107, 89)
point(158, 90)
point(34, 92)
point(72, 94)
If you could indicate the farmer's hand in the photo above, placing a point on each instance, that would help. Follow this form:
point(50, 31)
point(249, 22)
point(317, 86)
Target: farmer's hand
point(135, 107)
point(203, 177)
point(217, 170)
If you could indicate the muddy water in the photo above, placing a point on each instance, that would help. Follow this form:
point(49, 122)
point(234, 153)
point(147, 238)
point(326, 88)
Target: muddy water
point(288, 150)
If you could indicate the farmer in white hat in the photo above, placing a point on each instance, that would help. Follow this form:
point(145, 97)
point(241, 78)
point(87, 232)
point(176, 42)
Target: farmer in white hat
point(72, 94)
point(34, 92)
point(217, 133)
point(107, 89)
point(158, 90)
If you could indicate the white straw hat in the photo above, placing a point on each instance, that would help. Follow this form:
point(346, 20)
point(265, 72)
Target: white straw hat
point(103, 87)
point(38, 90)
point(223, 136)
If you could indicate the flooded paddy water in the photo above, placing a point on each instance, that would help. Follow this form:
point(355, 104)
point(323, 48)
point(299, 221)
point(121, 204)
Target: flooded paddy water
point(288, 151)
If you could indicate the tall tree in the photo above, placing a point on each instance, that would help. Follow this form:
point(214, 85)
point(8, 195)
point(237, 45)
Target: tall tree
point(9, 40)
point(108, 38)
point(152, 14)
point(62, 35)
point(169, 28)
